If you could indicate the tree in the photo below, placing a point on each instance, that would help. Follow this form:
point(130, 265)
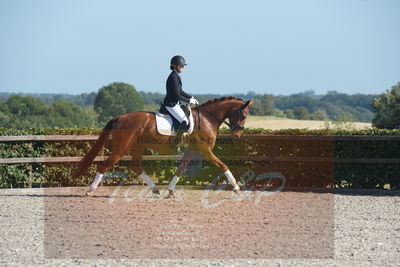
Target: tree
point(21, 112)
point(289, 113)
point(117, 99)
point(4, 119)
point(344, 121)
point(267, 102)
point(256, 108)
point(152, 98)
point(387, 109)
point(301, 113)
point(67, 114)
point(24, 112)
point(25, 105)
point(319, 115)
point(89, 111)
point(264, 105)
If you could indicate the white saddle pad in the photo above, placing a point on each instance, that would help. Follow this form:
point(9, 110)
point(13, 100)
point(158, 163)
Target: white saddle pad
point(164, 124)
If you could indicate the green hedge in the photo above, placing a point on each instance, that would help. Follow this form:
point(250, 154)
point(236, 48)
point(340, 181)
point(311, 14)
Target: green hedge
point(297, 174)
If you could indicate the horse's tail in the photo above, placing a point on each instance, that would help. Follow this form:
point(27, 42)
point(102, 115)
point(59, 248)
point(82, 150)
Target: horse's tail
point(89, 157)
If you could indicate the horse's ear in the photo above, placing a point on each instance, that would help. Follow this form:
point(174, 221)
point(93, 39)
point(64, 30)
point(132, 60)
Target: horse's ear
point(248, 103)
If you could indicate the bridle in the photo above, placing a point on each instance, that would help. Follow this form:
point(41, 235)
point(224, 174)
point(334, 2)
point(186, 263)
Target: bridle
point(232, 127)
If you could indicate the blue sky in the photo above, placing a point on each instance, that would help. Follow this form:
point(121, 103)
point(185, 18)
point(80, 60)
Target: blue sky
point(276, 47)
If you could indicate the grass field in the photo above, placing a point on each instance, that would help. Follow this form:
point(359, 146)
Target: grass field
point(276, 123)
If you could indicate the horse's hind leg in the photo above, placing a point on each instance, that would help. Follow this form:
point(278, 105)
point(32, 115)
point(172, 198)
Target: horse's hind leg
point(187, 157)
point(106, 165)
point(120, 145)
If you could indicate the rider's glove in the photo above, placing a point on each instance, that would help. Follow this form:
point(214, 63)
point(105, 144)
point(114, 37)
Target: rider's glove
point(193, 101)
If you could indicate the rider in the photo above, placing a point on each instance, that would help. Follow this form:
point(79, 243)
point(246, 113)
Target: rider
point(175, 95)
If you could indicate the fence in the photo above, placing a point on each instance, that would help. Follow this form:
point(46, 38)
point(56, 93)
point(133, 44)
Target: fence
point(319, 157)
point(53, 138)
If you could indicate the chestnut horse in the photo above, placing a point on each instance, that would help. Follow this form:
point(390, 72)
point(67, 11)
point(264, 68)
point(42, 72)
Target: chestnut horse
point(137, 130)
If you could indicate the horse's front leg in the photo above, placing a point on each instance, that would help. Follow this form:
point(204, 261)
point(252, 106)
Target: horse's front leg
point(209, 156)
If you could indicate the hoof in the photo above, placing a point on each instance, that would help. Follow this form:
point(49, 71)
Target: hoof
point(170, 194)
point(155, 191)
point(237, 191)
point(89, 194)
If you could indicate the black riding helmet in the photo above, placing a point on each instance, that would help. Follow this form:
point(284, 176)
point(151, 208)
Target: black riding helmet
point(178, 60)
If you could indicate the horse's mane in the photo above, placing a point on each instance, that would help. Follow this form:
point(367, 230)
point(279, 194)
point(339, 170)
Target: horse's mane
point(221, 99)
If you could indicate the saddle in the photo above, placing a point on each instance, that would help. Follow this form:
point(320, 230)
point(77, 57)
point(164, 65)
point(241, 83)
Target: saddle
point(168, 125)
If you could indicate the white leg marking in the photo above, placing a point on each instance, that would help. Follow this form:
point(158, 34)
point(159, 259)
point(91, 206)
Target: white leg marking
point(174, 181)
point(231, 179)
point(147, 180)
point(96, 182)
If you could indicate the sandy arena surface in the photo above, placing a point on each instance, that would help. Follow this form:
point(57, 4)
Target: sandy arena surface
point(130, 226)
point(278, 124)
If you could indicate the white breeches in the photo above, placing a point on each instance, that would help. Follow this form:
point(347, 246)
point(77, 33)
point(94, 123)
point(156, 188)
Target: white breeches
point(178, 113)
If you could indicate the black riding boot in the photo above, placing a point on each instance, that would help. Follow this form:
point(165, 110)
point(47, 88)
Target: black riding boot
point(183, 127)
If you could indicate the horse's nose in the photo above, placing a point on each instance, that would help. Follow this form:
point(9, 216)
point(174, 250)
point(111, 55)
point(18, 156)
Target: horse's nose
point(237, 135)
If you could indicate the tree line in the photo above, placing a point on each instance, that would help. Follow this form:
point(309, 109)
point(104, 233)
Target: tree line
point(95, 109)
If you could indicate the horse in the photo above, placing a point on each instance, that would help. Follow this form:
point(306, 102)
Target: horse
point(136, 131)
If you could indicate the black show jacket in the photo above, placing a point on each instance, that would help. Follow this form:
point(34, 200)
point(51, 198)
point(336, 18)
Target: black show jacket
point(174, 90)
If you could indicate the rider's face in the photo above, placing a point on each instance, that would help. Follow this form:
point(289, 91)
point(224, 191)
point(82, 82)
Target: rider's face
point(180, 68)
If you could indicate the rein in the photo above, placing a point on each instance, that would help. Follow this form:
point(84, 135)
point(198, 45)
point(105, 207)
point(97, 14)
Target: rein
point(232, 127)
point(198, 116)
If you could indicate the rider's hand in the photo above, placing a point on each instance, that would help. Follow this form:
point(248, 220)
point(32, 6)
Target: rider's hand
point(193, 101)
